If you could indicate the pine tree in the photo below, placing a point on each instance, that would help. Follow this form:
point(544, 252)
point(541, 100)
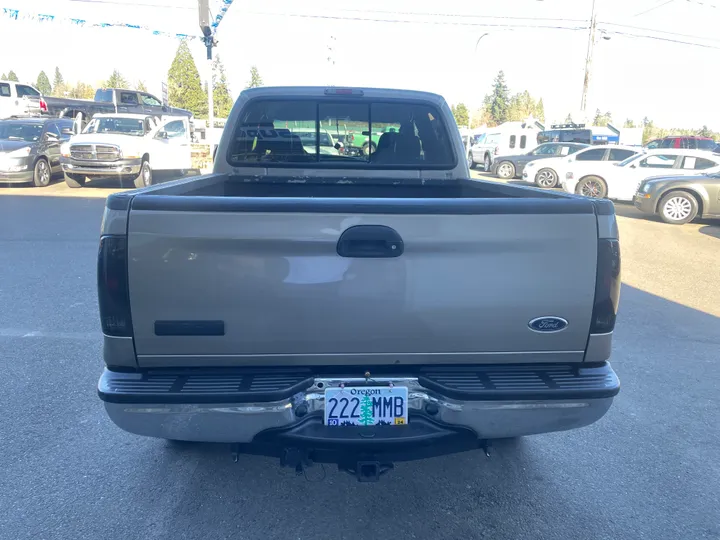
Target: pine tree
point(43, 84)
point(498, 100)
point(629, 123)
point(140, 87)
point(116, 80)
point(58, 85)
point(366, 415)
point(568, 119)
point(540, 110)
point(222, 101)
point(460, 112)
point(255, 78)
point(3, 77)
point(184, 88)
point(12, 77)
point(81, 91)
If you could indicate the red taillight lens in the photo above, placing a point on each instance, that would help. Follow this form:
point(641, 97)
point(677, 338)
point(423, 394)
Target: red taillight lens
point(113, 292)
point(43, 105)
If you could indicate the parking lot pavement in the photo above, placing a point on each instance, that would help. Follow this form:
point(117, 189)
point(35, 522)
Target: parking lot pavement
point(649, 469)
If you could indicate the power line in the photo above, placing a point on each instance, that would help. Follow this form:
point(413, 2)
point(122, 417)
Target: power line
point(404, 21)
point(657, 6)
point(627, 34)
point(463, 15)
point(704, 4)
point(658, 31)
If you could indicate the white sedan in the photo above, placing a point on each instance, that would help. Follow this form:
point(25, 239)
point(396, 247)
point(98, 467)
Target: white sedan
point(549, 172)
point(620, 180)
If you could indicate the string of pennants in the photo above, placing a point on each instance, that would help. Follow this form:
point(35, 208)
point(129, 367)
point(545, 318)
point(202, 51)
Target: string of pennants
point(20, 15)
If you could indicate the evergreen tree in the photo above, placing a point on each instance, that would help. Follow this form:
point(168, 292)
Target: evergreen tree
point(568, 119)
point(497, 101)
point(366, 416)
point(461, 114)
point(140, 87)
point(43, 84)
point(3, 77)
point(255, 78)
point(81, 91)
point(629, 123)
point(12, 77)
point(184, 88)
point(540, 110)
point(58, 84)
point(705, 132)
point(222, 101)
point(602, 119)
point(116, 80)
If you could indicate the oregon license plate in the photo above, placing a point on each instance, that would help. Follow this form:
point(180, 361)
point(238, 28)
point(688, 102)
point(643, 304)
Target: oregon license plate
point(366, 406)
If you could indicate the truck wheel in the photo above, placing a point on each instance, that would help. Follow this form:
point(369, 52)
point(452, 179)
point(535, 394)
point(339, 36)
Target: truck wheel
point(368, 148)
point(678, 208)
point(487, 163)
point(506, 170)
point(471, 161)
point(144, 179)
point(546, 178)
point(593, 187)
point(74, 180)
point(41, 173)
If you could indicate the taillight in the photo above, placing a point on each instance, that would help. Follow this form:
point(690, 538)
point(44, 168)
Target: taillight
point(497, 150)
point(607, 287)
point(113, 292)
point(43, 105)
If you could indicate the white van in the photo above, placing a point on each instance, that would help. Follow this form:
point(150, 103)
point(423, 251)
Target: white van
point(510, 138)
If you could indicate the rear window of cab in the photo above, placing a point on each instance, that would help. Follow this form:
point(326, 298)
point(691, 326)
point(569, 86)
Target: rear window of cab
point(364, 134)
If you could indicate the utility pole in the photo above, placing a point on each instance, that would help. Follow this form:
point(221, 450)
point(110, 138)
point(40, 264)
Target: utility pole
point(469, 137)
point(209, 40)
point(588, 59)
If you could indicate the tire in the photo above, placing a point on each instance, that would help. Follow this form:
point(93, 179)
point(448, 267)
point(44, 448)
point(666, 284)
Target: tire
point(144, 179)
point(74, 180)
point(678, 208)
point(506, 170)
point(42, 174)
point(593, 187)
point(368, 148)
point(546, 178)
point(471, 161)
point(487, 163)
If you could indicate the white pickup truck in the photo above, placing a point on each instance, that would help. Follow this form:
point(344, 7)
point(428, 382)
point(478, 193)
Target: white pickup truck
point(353, 309)
point(128, 147)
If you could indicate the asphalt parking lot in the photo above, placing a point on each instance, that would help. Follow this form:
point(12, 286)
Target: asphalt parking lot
point(649, 470)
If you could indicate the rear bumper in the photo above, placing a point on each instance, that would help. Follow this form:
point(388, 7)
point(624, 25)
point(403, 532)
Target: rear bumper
point(122, 167)
point(285, 407)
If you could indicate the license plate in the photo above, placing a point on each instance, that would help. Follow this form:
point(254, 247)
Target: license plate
point(366, 406)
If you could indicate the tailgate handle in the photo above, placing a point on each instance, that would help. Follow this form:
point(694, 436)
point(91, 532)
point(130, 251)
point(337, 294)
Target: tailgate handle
point(370, 241)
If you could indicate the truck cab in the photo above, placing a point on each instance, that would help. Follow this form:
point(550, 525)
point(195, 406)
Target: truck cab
point(128, 147)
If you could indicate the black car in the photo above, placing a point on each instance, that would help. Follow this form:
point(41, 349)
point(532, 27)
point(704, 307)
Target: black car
point(30, 149)
point(512, 166)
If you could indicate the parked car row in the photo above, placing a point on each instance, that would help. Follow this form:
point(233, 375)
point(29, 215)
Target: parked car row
point(117, 145)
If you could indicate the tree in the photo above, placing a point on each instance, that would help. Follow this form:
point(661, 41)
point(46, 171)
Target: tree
point(222, 101)
point(540, 110)
point(629, 123)
point(12, 77)
point(81, 91)
point(461, 114)
point(3, 77)
point(58, 85)
point(184, 88)
point(140, 87)
point(43, 84)
point(116, 80)
point(705, 132)
point(568, 119)
point(366, 415)
point(497, 101)
point(602, 119)
point(255, 78)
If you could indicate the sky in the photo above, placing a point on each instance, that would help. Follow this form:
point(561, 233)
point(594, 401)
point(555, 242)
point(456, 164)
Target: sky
point(414, 44)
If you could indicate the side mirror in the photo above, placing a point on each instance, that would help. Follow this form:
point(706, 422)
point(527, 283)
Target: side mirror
point(633, 166)
point(338, 145)
point(162, 135)
point(164, 108)
point(68, 131)
point(51, 137)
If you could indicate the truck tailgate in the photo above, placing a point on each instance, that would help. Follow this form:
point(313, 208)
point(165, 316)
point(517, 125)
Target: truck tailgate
point(251, 287)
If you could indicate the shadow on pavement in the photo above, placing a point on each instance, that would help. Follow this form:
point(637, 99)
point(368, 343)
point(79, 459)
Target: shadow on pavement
point(711, 230)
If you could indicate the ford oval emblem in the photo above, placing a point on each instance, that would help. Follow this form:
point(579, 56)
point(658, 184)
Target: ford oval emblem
point(548, 324)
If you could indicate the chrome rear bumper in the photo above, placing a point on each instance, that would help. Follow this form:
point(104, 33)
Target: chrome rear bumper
point(135, 403)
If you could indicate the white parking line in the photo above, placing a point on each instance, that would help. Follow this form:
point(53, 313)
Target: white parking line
point(27, 333)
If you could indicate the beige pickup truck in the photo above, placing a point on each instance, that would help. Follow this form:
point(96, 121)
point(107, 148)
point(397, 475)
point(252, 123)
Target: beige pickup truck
point(348, 308)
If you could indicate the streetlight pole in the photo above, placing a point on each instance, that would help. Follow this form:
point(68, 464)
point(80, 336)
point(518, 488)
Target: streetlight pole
point(209, 40)
point(588, 59)
point(467, 143)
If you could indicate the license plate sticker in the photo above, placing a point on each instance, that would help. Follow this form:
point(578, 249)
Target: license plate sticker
point(366, 406)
